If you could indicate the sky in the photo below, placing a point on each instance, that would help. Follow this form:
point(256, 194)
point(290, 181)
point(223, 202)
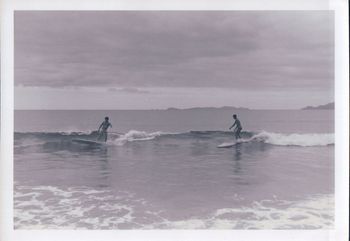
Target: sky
point(182, 59)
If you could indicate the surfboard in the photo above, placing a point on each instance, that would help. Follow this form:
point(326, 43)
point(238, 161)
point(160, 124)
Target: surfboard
point(88, 142)
point(231, 144)
point(227, 144)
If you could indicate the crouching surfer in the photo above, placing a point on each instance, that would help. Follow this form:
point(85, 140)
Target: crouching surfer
point(238, 128)
point(102, 130)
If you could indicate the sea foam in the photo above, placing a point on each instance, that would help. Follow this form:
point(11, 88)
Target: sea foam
point(279, 139)
point(51, 207)
point(119, 139)
point(134, 135)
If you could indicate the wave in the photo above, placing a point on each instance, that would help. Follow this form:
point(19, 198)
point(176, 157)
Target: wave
point(120, 139)
point(304, 140)
point(312, 213)
point(134, 135)
point(42, 207)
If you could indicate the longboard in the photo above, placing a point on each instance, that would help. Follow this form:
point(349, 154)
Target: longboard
point(231, 144)
point(227, 144)
point(89, 142)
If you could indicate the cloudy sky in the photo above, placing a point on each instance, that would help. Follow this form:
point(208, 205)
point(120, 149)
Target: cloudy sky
point(161, 59)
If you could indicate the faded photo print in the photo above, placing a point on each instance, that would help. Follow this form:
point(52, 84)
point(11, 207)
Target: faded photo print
point(174, 120)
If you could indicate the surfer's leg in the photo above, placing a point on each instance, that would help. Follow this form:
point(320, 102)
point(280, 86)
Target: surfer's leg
point(239, 133)
point(105, 136)
point(236, 135)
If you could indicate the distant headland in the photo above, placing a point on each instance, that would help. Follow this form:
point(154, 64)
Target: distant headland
point(210, 108)
point(329, 106)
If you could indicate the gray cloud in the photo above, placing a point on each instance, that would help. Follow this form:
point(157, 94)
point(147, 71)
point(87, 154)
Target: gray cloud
point(240, 49)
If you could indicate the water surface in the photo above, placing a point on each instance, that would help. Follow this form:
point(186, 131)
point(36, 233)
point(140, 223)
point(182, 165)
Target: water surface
point(163, 170)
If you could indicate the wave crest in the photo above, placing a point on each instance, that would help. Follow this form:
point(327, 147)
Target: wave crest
point(294, 139)
point(119, 139)
point(134, 135)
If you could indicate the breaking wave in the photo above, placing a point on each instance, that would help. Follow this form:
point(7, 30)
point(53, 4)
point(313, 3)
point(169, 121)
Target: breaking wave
point(134, 135)
point(43, 207)
point(279, 139)
point(23, 139)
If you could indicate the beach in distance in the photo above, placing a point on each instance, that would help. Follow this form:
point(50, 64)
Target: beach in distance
point(161, 169)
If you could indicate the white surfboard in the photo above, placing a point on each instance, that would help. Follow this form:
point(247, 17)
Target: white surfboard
point(227, 144)
point(88, 142)
point(231, 144)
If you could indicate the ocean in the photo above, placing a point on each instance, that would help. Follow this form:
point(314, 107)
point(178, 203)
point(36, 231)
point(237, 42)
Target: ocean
point(161, 169)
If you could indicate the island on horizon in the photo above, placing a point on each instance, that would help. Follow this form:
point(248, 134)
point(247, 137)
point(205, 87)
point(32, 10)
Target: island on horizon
point(210, 108)
point(329, 106)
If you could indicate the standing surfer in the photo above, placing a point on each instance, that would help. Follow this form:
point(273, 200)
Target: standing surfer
point(238, 127)
point(103, 127)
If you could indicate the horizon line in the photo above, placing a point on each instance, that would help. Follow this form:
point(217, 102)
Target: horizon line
point(317, 107)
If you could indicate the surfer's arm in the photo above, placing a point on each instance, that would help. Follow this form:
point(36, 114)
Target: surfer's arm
point(232, 125)
point(100, 127)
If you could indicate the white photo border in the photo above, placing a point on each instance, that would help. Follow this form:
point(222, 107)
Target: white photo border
point(339, 233)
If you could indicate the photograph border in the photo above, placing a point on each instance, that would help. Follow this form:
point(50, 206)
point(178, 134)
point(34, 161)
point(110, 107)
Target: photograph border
point(340, 231)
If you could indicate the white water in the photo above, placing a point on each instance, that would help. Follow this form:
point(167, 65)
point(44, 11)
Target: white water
point(279, 139)
point(104, 210)
point(319, 139)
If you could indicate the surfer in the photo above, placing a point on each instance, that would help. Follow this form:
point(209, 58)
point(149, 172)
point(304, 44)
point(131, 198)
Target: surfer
point(238, 127)
point(103, 127)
